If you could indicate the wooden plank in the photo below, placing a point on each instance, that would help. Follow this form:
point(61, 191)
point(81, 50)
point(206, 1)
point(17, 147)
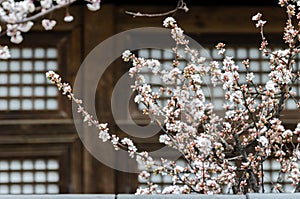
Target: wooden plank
point(207, 19)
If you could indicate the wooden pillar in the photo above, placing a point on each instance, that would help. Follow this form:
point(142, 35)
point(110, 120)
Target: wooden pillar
point(98, 26)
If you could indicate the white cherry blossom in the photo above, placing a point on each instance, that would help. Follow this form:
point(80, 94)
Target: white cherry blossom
point(48, 24)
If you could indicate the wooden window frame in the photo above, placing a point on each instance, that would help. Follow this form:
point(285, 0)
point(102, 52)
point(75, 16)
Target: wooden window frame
point(41, 39)
point(39, 139)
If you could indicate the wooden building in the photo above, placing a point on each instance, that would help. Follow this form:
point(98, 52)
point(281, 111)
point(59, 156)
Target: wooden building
point(40, 151)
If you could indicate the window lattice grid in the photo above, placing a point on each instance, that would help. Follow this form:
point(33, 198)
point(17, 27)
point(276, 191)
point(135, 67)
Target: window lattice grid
point(213, 94)
point(271, 170)
point(29, 176)
point(161, 181)
point(166, 180)
point(259, 65)
point(166, 60)
point(23, 85)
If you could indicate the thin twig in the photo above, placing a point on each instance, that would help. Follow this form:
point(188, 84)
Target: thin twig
point(180, 6)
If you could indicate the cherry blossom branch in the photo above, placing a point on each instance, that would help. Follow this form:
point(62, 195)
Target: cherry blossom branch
point(40, 12)
point(47, 11)
point(181, 5)
point(18, 16)
point(124, 143)
point(162, 127)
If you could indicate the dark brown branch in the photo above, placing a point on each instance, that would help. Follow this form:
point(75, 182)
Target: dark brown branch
point(180, 6)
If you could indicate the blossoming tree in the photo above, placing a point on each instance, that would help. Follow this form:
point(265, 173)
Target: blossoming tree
point(223, 154)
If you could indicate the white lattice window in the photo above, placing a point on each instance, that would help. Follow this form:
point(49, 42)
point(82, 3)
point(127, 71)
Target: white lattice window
point(23, 85)
point(259, 65)
point(271, 170)
point(29, 176)
point(161, 180)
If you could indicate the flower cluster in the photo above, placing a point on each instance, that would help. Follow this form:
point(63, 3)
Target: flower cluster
point(19, 16)
point(4, 52)
point(222, 154)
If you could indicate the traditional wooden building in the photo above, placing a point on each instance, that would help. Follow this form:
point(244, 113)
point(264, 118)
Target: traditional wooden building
point(40, 150)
